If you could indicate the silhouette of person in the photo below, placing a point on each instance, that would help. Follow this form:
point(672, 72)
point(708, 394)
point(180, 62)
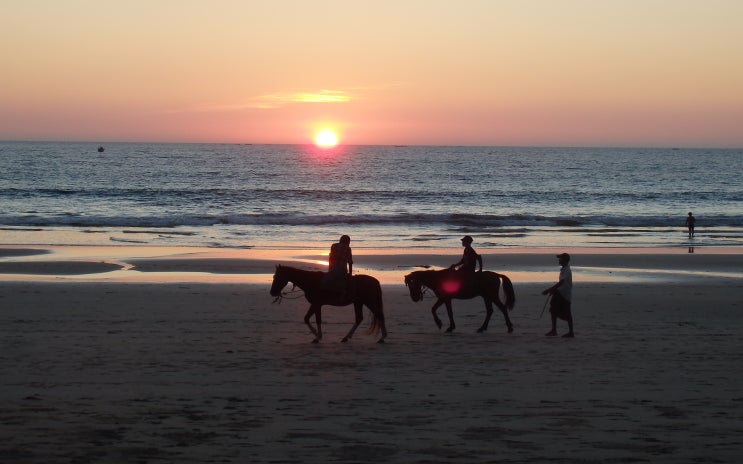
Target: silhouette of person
point(562, 296)
point(690, 220)
point(470, 258)
point(466, 267)
point(340, 265)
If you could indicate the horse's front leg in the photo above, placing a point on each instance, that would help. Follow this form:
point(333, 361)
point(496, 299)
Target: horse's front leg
point(358, 310)
point(435, 306)
point(317, 332)
point(450, 313)
point(488, 314)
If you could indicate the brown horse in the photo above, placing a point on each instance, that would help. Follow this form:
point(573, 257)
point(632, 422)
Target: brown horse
point(447, 284)
point(365, 291)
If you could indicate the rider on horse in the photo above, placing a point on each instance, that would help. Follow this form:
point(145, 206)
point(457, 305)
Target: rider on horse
point(465, 268)
point(340, 267)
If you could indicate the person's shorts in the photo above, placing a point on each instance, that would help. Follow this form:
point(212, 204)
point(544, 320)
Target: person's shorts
point(560, 307)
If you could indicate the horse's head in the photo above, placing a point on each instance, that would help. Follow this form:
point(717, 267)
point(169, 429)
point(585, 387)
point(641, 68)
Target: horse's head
point(414, 286)
point(280, 280)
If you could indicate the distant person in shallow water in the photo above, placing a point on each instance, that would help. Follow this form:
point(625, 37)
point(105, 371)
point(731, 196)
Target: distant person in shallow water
point(340, 265)
point(690, 220)
point(562, 296)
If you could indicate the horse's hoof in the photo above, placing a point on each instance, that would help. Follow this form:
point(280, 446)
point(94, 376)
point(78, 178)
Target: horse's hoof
point(381, 340)
point(481, 330)
point(450, 330)
point(345, 339)
point(510, 329)
point(316, 341)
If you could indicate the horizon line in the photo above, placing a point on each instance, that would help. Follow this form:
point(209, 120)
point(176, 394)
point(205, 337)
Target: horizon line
point(340, 145)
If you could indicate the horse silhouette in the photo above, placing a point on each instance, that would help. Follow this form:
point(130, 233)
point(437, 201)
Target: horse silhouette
point(364, 290)
point(447, 284)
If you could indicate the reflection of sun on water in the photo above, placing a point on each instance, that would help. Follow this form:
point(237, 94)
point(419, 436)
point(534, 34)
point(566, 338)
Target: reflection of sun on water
point(326, 139)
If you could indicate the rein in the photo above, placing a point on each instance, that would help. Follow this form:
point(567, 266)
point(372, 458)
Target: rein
point(424, 290)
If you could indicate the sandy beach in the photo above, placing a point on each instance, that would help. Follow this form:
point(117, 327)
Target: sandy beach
point(138, 355)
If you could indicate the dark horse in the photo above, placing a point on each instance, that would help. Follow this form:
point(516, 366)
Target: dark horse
point(366, 291)
point(446, 284)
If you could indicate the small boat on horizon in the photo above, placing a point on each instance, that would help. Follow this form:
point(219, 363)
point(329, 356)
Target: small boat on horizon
point(101, 149)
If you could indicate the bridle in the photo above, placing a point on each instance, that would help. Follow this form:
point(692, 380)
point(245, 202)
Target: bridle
point(422, 289)
point(292, 294)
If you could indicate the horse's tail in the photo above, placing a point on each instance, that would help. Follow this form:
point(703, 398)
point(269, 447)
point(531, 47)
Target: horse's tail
point(508, 290)
point(376, 306)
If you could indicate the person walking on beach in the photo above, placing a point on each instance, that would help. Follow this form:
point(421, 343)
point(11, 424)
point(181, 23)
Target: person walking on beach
point(562, 296)
point(340, 265)
point(690, 220)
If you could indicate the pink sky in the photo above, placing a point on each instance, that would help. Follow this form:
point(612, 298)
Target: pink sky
point(488, 72)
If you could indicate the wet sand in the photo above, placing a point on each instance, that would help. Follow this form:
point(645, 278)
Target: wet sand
point(164, 365)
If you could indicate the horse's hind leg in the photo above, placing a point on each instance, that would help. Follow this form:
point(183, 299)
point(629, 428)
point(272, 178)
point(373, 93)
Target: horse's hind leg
point(384, 327)
point(508, 320)
point(504, 310)
point(488, 314)
point(358, 310)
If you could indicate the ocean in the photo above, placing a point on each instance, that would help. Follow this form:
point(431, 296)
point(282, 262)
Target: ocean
point(300, 196)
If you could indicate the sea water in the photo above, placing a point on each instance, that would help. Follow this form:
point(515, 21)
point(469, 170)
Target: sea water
point(230, 195)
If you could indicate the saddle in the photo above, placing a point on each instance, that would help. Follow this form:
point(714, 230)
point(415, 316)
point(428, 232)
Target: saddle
point(466, 280)
point(340, 284)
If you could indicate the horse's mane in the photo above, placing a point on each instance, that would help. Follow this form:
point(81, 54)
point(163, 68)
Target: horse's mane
point(293, 268)
point(430, 272)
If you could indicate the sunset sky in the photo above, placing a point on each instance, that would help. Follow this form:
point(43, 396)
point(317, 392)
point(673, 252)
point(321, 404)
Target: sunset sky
point(433, 72)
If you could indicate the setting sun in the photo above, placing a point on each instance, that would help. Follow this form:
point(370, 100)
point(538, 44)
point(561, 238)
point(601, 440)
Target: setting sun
point(326, 139)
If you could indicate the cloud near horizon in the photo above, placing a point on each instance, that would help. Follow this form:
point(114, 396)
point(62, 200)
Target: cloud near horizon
point(277, 100)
